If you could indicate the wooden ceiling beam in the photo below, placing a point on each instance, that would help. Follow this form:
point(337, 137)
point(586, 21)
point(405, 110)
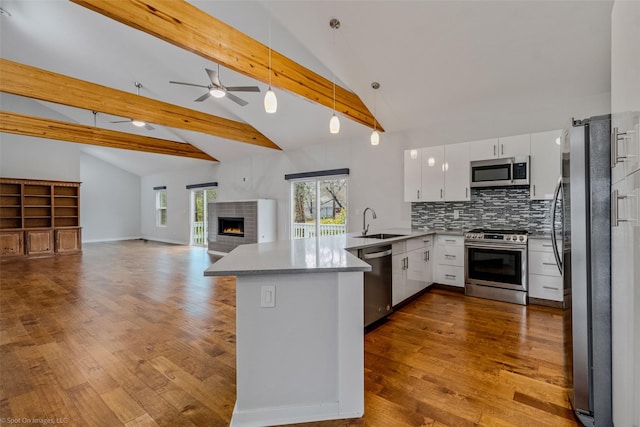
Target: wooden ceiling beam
point(21, 124)
point(24, 80)
point(183, 25)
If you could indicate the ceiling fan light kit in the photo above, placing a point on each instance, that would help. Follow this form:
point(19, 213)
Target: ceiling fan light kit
point(218, 90)
point(138, 123)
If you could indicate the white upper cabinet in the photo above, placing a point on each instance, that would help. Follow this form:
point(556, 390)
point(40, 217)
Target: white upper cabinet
point(457, 172)
point(484, 149)
point(412, 175)
point(545, 164)
point(432, 174)
point(514, 146)
point(497, 148)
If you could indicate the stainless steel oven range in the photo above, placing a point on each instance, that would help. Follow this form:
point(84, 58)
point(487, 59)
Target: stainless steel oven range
point(496, 265)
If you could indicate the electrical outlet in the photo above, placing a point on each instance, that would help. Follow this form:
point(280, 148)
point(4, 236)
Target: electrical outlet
point(456, 214)
point(268, 296)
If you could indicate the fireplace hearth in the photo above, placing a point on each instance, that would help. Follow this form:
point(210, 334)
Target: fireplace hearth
point(231, 226)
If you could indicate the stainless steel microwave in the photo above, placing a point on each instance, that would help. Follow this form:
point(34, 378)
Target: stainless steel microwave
point(510, 171)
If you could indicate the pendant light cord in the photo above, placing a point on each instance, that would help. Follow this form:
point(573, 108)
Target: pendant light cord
point(269, 13)
point(334, 71)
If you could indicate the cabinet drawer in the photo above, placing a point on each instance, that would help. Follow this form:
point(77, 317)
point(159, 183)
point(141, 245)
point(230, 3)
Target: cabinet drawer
point(418, 243)
point(542, 245)
point(545, 287)
point(543, 263)
point(450, 275)
point(450, 255)
point(450, 240)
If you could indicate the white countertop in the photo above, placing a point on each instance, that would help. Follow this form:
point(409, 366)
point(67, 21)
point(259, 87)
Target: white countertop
point(313, 255)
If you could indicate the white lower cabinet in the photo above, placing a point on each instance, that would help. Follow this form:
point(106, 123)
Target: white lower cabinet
point(625, 299)
point(411, 267)
point(545, 281)
point(449, 268)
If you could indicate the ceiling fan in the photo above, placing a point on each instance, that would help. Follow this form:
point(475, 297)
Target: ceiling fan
point(218, 90)
point(135, 122)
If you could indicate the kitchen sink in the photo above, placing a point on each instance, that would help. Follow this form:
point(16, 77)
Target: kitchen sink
point(380, 236)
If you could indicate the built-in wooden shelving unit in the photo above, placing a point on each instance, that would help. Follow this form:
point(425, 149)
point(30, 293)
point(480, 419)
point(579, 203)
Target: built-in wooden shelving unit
point(39, 217)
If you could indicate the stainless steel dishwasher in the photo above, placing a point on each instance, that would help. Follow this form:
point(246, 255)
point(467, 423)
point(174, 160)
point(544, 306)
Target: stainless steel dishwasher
point(377, 282)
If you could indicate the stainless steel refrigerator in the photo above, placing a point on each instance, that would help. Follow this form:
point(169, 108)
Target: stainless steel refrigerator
point(585, 262)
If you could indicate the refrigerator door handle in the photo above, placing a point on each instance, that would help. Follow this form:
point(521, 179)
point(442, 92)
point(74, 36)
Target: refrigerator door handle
point(554, 242)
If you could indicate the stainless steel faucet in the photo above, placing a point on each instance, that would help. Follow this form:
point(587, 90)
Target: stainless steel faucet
point(365, 226)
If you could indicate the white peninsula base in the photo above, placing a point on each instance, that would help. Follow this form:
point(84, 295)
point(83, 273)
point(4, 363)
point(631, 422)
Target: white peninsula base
point(302, 359)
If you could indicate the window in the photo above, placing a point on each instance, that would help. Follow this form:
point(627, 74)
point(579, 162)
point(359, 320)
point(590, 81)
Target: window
point(161, 208)
point(319, 207)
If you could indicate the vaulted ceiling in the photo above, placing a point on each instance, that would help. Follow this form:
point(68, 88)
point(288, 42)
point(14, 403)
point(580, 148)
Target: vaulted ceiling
point(438, 62)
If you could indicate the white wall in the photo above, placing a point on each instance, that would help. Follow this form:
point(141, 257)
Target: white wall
point(178, 200)
point(110, 203)
point(34, 158)
point(625, 56)
point(375, 180)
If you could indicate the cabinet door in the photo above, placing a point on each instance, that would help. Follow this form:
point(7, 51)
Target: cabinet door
point(416, 271)
point(39, 242)
point(622, 318)
point(412, 175)
point(68, 240)
point(11, 243)
point(398, 278)
point(546, 150)
point(514, 146)
point(483, 149)
point(432, 174)
point(457, 173)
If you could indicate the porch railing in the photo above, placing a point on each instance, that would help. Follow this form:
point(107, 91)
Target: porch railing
point(301, 231)
point(199, 234)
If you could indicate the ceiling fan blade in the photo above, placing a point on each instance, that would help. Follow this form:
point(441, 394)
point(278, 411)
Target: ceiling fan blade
point(147, 126)
point(188, 84)
point(242, 88)
point(203, 97)
point(121, 121)
point(241, 102)
point(213, 76)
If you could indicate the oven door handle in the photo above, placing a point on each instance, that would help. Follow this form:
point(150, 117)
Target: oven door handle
point(554, 242)
point(496, 246)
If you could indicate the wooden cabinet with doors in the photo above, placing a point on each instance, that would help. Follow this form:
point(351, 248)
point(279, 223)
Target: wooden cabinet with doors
point(39, 217)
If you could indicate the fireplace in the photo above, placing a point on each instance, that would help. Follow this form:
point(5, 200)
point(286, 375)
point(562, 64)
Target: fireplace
point(228, 226)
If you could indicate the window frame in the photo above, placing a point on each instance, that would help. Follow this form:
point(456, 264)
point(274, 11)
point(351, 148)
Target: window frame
point(160, 209)
point(317, 179)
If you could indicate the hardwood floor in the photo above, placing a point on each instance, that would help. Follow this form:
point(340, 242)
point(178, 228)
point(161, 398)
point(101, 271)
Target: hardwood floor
point(131, 333)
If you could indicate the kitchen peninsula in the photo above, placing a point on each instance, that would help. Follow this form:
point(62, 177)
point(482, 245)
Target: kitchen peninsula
point(299, 327)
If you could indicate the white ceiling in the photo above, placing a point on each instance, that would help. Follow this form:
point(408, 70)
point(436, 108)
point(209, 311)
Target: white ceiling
point(437, 61)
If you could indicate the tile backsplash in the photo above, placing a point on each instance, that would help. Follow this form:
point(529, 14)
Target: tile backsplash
point(497, 208)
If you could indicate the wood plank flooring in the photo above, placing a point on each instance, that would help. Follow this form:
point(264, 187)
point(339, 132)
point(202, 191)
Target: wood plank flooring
point(132, 334)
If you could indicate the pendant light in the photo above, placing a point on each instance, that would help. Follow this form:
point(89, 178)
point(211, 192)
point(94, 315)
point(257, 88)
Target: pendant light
point(334, 123)
point(375, 136)
point(270, 100)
